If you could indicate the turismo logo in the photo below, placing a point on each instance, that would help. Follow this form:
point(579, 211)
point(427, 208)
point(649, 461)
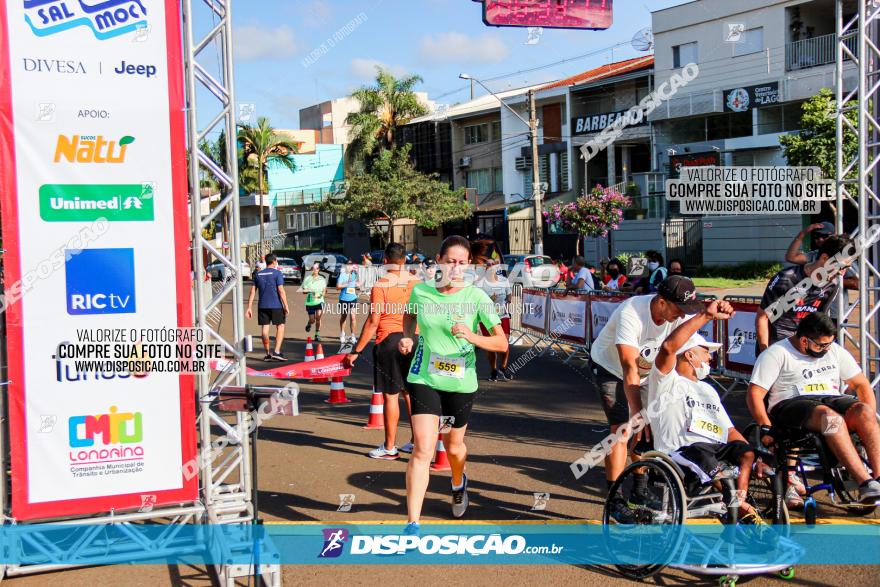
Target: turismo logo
point(334, 539)
point(106, 18)
point(85, 203)
point(91, 149)
point(100, 281)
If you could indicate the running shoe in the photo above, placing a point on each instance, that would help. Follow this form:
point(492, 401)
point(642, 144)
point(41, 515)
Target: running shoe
point(794, 480)
point(508, 372)
point(268, 357)
point(317, 337)
point(383, 453)
point(494, 375)
point(412, 529)
point(793, 499)
point(407, 448)
point(758, 530)
point(644, 498)
point(352, 339)
point(620, 512)
point(276, 356)
point(342, 338)
point(501, 375)
point(308, 326)
point(460, 499)
point(869, 492)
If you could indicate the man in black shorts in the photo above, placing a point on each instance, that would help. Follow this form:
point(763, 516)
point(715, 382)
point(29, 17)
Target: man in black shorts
point(388, 301)
point(804, 377)
point(272, 307)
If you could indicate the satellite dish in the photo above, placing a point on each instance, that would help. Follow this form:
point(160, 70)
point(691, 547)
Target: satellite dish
point(643, 40)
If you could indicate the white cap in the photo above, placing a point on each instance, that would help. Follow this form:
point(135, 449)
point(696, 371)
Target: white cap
point(698, 340)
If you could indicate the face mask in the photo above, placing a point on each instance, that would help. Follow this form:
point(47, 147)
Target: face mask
point(702, 371)
point(653, 265)
point(613, 273)
point(675, 273)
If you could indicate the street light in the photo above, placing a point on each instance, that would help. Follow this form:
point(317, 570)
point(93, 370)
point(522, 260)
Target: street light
point(532, 123)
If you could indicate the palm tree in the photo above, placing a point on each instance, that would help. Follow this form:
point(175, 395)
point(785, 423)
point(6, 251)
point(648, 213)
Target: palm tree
point(385, 107)
point(260, 144)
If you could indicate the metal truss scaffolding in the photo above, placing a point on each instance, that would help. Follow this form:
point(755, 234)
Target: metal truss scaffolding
point(858, 176)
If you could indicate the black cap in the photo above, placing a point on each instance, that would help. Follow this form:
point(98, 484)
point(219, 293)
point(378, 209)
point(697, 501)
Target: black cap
point(682, 292)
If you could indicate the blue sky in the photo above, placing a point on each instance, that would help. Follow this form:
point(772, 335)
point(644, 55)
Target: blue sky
point(436, 39)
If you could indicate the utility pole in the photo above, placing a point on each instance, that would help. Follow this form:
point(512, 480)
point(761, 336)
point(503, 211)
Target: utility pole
point(472, 89)
point(536, 175)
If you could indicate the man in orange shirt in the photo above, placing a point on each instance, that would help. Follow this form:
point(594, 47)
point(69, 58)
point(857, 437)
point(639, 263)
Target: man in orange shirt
point(388, 301)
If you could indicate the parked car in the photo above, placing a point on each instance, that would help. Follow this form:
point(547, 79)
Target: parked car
point(289, 268)
point(531, 270)
point(331, 264)
point(220, 272)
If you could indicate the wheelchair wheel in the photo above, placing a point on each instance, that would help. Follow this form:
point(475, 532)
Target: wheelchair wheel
point(664, 503)
point(767, 496)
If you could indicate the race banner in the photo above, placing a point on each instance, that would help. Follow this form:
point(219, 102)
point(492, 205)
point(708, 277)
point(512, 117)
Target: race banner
point(96, 232)
point(568, 317)
point(739, 337)
point(601, 308)
point(534, 316)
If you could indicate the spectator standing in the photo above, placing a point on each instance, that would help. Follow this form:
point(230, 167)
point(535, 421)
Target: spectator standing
point(272, 309)
point(580, 277)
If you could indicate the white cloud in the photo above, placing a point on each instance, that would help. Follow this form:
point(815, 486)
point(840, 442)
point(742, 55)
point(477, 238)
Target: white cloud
point(261, 42)
point(459, 48)
point(366, 68)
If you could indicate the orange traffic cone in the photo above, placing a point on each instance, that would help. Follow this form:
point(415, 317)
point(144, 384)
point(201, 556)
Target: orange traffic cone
point(337, 392)
point(310, 353)
point(441, 461)
point(318, 356)
point(377, 412)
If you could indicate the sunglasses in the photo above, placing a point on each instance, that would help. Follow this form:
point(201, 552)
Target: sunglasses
point(820, 345)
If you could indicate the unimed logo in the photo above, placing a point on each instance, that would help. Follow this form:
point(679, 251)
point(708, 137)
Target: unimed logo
point(89, 202)
point(106, 18)
point(91, 149)
point(100, 281)
point(112, 428)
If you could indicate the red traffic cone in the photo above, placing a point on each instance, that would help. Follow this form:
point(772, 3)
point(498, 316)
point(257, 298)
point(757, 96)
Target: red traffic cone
point(441, 461)
point(310, 353)
point(318, 356)
point(377, 412)
point(337, 392)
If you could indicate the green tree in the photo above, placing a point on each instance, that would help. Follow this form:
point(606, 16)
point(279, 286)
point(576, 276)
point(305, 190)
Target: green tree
point(261, 144)
point(393, 189)
point(384, 108)
point(816, 144)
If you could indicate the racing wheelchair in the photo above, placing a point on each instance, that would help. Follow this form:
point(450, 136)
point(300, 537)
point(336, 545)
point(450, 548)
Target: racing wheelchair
point(678, 495)
point(806, 454)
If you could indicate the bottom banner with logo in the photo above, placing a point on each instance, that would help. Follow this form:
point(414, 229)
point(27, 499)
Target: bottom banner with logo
point(487, 543)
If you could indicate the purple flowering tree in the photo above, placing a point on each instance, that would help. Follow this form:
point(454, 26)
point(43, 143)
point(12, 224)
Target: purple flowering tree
point(591, 215)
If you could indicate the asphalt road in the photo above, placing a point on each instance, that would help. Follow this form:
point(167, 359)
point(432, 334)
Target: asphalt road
point(521, 439)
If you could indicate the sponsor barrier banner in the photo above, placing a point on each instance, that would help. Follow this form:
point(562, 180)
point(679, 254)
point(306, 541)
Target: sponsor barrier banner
point(95, 223)
point(568, 317)
point(601, 308)
point(534, 315)
point(739, 337)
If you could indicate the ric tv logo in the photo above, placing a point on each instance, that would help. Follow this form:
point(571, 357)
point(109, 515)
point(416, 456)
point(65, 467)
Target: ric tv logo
point(100, 281)
point(112, 428)
point(106, 18)
point(91, 149)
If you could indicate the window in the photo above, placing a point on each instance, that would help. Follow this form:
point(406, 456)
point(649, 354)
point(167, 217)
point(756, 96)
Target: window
point(496, 130)
point(316, 219)
point(752, 41)
point(684, 54)
point(499, 179)
point(290, 221)
point(480, 180)
point(477, 133)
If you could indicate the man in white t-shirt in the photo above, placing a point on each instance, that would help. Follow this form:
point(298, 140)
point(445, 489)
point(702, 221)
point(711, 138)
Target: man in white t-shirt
point(624, 352)
point(581, 278)
point(804, 377)
point(688, 420)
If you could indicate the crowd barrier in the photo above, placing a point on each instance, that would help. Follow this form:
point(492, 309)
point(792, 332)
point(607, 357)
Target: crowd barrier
point(570, 321)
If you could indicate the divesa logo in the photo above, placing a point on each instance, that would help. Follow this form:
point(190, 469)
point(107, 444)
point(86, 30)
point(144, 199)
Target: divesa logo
point(106, 18)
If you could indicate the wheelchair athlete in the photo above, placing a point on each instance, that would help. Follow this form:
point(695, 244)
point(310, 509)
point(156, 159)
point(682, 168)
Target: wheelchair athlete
point(803, 376)
point(686, 415)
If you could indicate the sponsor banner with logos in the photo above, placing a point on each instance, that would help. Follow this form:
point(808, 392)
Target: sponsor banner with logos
point(739, 338)
point(534, 315)
point(95, 226)
point(601, 309)
point(744, 99)
point(569, 317)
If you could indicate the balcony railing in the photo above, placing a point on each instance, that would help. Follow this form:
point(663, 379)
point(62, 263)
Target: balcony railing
point(814, 52)
point(310, 196)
